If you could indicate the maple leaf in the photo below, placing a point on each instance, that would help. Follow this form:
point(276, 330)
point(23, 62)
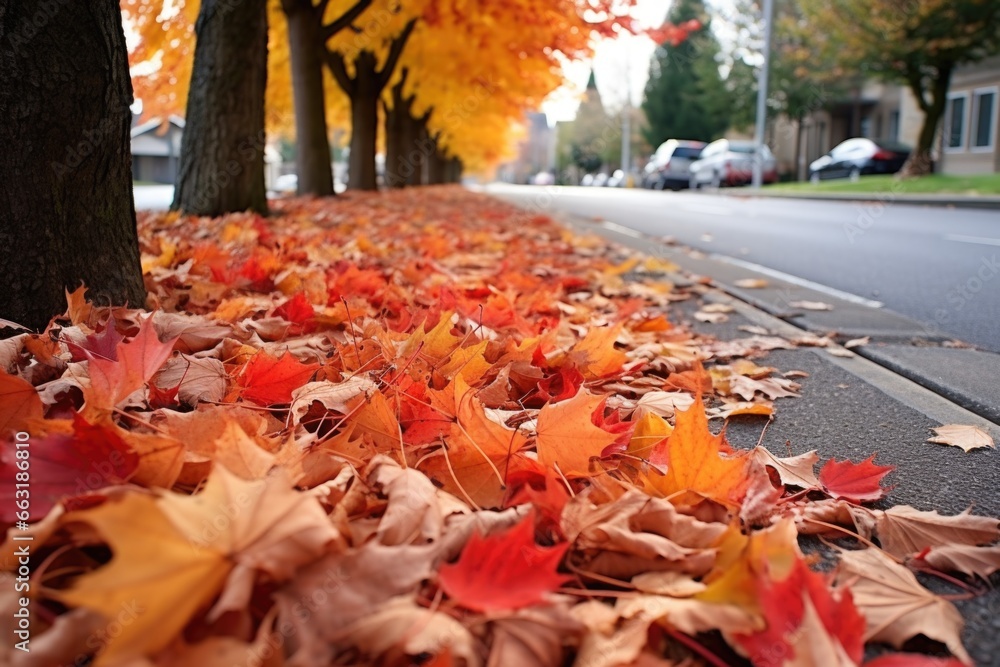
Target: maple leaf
point(504, 571)
point(973, 561)
point(479, 455)
point(807, 623)
point(111, 381)
point(857, 482)
point(792, 470)
point(299, 312)
point(97, 346)
point(567, 436)
point(268, 380)
point(903, 530)
point(965, 437)
point(895, 605)
point(19, 403)
point(595, 355)
point(87, 459)
point(699, 462)
point(156, 572)
point(912, 660)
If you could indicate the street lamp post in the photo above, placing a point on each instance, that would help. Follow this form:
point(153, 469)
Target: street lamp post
point(758, 162)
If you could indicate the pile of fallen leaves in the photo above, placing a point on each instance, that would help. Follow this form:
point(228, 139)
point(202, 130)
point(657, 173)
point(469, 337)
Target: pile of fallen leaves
point(426, 428)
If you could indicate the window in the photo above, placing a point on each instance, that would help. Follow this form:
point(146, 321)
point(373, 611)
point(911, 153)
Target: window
point(984, 115)
point(954, 125)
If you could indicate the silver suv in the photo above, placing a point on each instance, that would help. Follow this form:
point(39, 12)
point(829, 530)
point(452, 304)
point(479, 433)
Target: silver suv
point(670, 164)
point(725, 162)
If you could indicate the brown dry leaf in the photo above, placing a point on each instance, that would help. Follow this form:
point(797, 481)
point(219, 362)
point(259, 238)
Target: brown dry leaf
point(857, 342)
point(903, 530)
point(973, 561)
point(840, 352)
point(664, 403)
point(532, 637)
point(197, 380)
point(671, 584)
point(966, 437)
point(333, 396)
point(792, 470)
point(710, 317)
point(637, 534)
point(751, 283)
point(810, 305)
point(895, 605)
point(403, 627)
point(688, 615)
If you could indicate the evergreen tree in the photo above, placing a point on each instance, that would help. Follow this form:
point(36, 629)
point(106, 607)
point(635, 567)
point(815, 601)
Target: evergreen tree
point(686, 97)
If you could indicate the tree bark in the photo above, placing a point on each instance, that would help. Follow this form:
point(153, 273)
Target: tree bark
point(453, 170)
point(436, 166)
point(364, 124)
point(921, 160)
point(402, 158)
point(222, 152)
point(312, 141)
point(66, 210)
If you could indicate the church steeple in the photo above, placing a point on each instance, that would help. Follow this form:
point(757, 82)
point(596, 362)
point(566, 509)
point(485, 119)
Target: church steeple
point(592, 83)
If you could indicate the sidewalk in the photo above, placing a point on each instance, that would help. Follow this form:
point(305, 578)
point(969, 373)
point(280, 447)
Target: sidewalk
point(987, 202)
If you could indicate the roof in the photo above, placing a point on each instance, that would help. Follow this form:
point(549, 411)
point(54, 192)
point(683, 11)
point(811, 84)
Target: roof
point(154, 124)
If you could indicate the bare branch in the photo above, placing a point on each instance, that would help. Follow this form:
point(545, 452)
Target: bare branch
point(395, 51)
point(345, 20)
point(335, 61)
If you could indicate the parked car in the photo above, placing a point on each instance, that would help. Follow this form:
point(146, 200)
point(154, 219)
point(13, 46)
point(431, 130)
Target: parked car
point(726, 162)
point(543, 178)
point(670, 165)
point(617, 179)
point(587, 180)
point(600, 180)
point(857, 157)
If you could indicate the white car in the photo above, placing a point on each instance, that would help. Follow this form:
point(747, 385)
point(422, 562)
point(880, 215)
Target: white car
point(726, 162)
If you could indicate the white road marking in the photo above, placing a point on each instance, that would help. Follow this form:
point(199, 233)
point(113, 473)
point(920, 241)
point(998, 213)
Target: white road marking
point(801, 282)
point(615, 227)
point(978, 240)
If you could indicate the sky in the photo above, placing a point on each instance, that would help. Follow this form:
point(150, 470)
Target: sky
point(625, 58)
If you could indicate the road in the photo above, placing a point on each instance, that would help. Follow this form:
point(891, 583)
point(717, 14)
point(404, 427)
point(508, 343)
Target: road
point(935, 265)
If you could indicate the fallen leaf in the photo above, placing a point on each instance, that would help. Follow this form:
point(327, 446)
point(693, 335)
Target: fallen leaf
point(966, 437)
point(19, 403)
point(971, 560)
point(268, 380)
point(111, 381)
point(751, 283)
point(792, 470)
point(567, 437)
point(504, 571)
point(857, 482)
point(912, 660)
point(810, 305)
point(858, 342)
point(903, 530)
point(895, 605)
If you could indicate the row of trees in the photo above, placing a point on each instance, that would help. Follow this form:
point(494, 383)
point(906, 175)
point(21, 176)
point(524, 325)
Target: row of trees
point(445, 76)
point(820, 53)
point(444, 81)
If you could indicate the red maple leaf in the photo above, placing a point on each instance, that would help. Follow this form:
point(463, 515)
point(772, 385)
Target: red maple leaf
point(858, 482)
point(783, 605)
point(136, 362)
point(503, 571)
point(912, 660)
point(97, 346)
point(268, 380)
point(64, 466)
point(299, 312)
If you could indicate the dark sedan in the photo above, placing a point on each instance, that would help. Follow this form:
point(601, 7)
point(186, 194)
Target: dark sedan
point(857, 157)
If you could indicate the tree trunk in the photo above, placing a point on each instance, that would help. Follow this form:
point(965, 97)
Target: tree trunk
point(453, 170)
point(364, 124)
point(222, 153)
point(799, 176)
point(66, 208)
point(420, 146)
point(436, 163)
point(921, 160)
point(312, 142)
point(400, 140)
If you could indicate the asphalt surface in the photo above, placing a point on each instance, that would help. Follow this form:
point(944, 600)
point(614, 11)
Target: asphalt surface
point(938, 266)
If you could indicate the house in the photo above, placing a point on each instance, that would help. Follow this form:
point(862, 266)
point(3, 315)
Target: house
point(969, 132)
point(156, 148)
point(967, 140)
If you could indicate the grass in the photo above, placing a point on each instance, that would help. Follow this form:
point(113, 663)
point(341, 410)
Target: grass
point(979, 184)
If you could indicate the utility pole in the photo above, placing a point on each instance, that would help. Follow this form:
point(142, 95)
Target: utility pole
point(758, 166)
point(627, 119)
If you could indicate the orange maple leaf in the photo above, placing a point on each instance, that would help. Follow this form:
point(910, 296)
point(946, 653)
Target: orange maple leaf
point(699, 462)
point(568, 437)
point(111, 381)
point(19, 403)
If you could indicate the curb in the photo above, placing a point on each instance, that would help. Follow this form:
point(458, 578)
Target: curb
point(989, 203)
